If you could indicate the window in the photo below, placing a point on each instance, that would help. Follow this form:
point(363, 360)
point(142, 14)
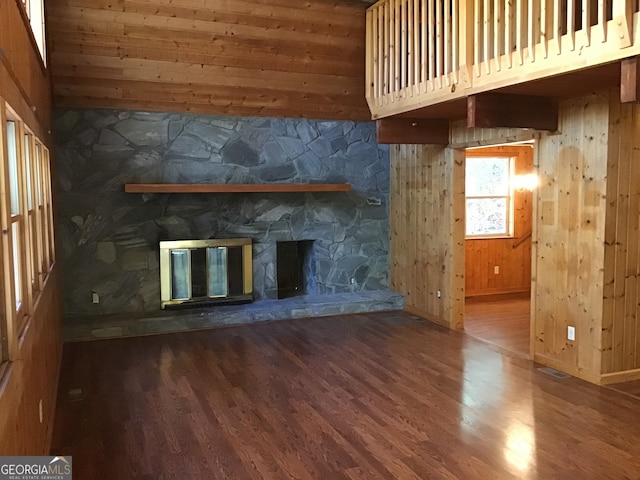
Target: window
point(26, 215)
point(16, 217)
point(35, 13)
point(489, 203)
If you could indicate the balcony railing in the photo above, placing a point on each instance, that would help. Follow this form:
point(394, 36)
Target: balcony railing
point(425, 52)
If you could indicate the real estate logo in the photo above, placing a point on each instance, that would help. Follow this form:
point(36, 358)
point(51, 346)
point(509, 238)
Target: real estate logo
point(35, 468)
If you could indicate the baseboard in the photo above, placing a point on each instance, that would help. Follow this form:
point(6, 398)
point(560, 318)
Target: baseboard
point(495, 291)
point(619, 377)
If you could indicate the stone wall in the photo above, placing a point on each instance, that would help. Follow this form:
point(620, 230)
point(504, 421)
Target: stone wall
point(109, 239)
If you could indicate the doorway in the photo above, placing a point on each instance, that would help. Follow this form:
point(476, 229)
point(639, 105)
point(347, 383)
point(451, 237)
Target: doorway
point(499, 184)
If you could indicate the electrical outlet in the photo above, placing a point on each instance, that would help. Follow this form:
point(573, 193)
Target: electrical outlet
point(95, 298)
point(40, 411)
point(496, 270)
point(571, 333)
point(439, 294)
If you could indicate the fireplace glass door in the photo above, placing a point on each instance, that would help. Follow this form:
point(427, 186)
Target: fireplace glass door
point(205, 270)
point(217, 261)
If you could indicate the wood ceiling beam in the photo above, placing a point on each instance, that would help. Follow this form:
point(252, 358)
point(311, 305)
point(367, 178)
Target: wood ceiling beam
point(497, 110)
point(630, 80)
point(422, 131)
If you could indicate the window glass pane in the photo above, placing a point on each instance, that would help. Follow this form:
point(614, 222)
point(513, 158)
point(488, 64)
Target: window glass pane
point(13, 168)
point(34, 249)
point(38, 175)
point(487, 216)
point(37, 24)
point(487, 177)
point(17, 271)
point(27, 158)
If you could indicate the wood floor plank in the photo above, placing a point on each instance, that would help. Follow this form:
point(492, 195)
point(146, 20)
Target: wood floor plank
point(372, 396)
point(502, 320)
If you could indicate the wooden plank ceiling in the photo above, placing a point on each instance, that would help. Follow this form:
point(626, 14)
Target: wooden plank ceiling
point(238, 57)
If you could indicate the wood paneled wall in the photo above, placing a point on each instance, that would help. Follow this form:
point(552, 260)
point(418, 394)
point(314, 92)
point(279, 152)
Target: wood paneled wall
point(569, 227)
point(32, 377)
point(427, 231)
point(511, 255)
point(621, 308)
point(238, 57)
point(24, 82)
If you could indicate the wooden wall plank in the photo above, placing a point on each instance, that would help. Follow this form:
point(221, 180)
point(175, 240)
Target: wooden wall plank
point(427, 246)
point(238, 57)
point(33, 376)
point(620, 312)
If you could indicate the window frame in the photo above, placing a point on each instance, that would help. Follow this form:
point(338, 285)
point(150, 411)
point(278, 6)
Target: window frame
point(39, 39)
point(21, 251)
point(510, 231)
point(32, 228)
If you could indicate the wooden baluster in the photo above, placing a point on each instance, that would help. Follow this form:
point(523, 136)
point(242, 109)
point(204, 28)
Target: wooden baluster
point(416, 46)
point(571, 23)
point(544, 28)
point(465, 29)
point(392, 63)
point(532, 30)
point(439, 41)
point(447, 42)
point(487, 29)
point(432, 44)
point(557, 25)
point(455, 41)
point(424, 51)
point(586, 22)
point(477, 57)
point(602, 18)
point(388, 47)
point(381, 50)
point(398, 49)
point(375, 48)
point(521, 34)
point(498, 30)
point(508, 32)
point(404, 51)
point(371, 61)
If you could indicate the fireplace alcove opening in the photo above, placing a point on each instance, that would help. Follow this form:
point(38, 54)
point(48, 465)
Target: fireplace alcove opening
point(295, 268)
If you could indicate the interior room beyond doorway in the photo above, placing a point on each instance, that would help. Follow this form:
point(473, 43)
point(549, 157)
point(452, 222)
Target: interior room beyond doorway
point(499, 183)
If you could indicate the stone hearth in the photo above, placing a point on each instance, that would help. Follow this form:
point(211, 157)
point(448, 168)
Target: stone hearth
point(125, 325)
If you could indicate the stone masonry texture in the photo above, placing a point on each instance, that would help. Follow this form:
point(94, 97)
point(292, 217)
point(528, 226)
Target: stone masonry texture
point(109, 239)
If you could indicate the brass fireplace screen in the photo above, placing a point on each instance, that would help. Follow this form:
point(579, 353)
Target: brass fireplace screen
point(206, 271)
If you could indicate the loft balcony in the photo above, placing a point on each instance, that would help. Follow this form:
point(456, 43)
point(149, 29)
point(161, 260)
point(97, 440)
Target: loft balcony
point(433, 58)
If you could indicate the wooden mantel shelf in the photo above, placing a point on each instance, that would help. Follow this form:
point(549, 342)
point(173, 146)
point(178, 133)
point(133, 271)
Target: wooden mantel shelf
point(235, 188)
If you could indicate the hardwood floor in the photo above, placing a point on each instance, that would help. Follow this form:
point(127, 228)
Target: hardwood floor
point(372, 396)
point(502, 320)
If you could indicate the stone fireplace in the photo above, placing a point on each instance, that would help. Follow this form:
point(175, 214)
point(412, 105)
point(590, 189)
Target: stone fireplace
point(110, 239)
